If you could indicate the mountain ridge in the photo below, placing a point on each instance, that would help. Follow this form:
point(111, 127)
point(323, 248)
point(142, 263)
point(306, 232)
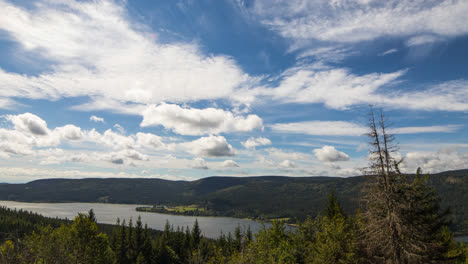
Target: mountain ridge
point(258, 197)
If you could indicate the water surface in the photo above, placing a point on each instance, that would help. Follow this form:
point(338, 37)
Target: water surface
point(108, 214)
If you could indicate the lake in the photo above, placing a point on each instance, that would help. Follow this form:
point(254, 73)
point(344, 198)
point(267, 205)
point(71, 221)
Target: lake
point(108, 213)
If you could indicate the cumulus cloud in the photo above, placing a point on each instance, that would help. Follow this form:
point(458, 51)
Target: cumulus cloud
point(330, 154)
point(124, 156)
point(28, 122)
point(230, 164)
point(96, 119)
point(69, 132)
point(287, 164)
point(113, 139)
point(256, 142)
point(192, 121)
point(120, 128)
point(211, 146)
point(199, 163)
point(149, 140)
point(128, 65)
point(451, 158)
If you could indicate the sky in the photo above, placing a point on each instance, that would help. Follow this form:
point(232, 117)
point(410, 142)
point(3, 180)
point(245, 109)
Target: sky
point(185, 89)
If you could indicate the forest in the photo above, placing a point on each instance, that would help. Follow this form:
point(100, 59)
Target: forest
point(261, 198)
point(332, 237)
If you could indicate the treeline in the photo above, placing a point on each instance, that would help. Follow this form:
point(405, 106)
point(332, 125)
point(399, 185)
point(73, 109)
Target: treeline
point(17, 223)
point(332, 237)
point(195, 212)
point(260, 198)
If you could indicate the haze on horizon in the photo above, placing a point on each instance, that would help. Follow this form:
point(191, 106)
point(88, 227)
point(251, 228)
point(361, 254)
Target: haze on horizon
point(183, 90)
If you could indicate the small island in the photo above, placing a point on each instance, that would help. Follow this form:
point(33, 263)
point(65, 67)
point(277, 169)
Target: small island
point(188, 210)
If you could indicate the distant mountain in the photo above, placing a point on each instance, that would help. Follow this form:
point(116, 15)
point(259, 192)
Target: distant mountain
point(254, 197)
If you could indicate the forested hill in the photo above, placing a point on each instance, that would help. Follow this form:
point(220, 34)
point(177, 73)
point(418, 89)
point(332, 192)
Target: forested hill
point(256, 197)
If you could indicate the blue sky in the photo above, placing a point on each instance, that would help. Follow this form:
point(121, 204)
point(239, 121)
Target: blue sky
point(188, 89)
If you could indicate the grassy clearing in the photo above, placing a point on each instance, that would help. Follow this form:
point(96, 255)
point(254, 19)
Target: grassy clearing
point(185, 208)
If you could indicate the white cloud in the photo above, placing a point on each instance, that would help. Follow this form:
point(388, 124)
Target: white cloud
point(113, 139)
point(192, 121)
point(322, 128)
point(338, 88)
point(97, 52)
point(211, 146)
point(335, 88)
point(199, 163)
point(432, 162)
point(387, 52)
point(287, 164)
point(120, 128)
point(344, 128)
point(123, 157)
point(279, 154)
point(330, 154)
point(7, 103)
point(69, 132)
point(230, 164)
point(96, 119)
point(425, 129)
point(24, 174)
point(354, 21)
point(447, 96)
point(421, 40)
point(256, 142)
point(149, 140)
point(328, 53)
point(28, 122)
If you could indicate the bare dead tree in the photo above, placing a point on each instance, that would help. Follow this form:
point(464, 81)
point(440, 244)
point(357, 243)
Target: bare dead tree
point(396, 228)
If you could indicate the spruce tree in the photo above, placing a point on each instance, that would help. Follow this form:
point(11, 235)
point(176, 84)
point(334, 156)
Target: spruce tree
point(403, 217)
point(196, 235)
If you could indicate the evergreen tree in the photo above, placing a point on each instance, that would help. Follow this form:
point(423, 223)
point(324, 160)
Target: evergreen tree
point(195, 235)
point(138, 236)
point(121, 245)
point(333, 236)
point(92, 216)
point(403, 217)
point(248, 235)
point(237, 238)
point(147, 248)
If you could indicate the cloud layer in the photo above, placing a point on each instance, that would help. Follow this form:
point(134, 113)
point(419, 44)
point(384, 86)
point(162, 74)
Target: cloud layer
point(128, 64)
point(355, 21)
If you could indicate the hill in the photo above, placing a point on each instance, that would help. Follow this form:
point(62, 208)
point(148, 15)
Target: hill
point(262, 197)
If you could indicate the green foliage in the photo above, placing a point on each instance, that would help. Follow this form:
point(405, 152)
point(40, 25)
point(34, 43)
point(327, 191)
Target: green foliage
point(331, 237)
point(262, 198)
